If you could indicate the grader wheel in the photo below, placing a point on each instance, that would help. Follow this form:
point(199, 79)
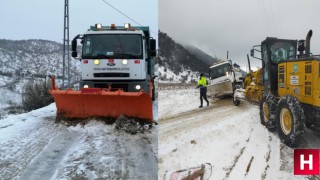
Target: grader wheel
point(285, 121)
point(265, 114)
point(290, 121)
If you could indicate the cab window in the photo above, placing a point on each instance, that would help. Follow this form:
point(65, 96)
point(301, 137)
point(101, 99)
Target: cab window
point(281, 51)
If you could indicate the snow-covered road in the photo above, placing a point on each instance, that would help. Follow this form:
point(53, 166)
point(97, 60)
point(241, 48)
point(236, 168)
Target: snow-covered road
point(230, 138)
point(33, 146)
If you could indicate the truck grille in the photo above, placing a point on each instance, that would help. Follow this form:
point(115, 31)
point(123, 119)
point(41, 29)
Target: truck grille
point(114, 87)
point(111, 75)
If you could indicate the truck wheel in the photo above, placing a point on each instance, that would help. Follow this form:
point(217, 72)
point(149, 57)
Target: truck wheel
point(265, 115)
point(235, 101)
point(290, 121)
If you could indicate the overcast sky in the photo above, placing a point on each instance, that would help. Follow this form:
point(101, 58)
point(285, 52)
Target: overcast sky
point(216, 26)
point(43, 19)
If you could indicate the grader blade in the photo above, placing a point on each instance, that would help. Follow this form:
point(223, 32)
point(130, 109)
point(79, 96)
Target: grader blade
point(100, 103)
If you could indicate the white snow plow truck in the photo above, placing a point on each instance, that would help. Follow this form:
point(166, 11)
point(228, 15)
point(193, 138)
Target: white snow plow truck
point(117, 64)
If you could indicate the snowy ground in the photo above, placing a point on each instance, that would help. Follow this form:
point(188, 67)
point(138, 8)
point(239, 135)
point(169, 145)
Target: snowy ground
point(33, 146)
point(230, 138)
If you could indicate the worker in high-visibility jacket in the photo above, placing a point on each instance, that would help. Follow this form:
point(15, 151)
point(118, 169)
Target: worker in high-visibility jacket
point(202, 84)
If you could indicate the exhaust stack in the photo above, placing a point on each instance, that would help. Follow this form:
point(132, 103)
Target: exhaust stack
point(308, 43)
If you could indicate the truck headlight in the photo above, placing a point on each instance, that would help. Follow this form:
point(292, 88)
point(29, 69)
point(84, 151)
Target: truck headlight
point(96, 61)
point(227, 73)
point(124, 61)
point(85, 86)
point(138, 87)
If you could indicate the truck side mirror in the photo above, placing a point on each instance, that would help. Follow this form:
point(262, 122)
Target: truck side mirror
point(74, 53)
point(252, 52)
point(152, 50)
point(74, 48)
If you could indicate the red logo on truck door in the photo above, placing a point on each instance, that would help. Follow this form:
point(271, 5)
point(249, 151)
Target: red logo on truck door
point(306, 162)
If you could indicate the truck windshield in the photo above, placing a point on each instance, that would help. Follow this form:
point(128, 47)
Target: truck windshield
point(116, 46)
point(219, 71)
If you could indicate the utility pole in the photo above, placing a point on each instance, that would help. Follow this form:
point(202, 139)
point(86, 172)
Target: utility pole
point(66, 45)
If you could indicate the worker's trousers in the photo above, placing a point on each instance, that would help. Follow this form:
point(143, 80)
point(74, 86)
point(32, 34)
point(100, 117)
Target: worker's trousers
point(203, 95)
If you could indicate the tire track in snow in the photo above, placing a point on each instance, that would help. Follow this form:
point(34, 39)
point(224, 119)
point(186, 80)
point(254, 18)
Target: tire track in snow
point(249, 165)
point(236, 158)
point(176, 134)
point(267, 156)
point(191, 120)
point(110, 155)
point(259, 149)
point(48, 160)
point(20, 159)
point(213, 105)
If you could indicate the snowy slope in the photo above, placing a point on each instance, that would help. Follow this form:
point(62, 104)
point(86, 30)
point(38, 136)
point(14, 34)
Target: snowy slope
point(230, 138)
point(32, 57)
point(21, 61)
point(166, 75)
point(33, 146)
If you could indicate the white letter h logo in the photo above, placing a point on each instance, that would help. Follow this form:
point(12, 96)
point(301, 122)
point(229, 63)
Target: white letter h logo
point(303, 162)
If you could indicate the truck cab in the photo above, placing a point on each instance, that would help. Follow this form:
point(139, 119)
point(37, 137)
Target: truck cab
point(224, 71)
point(223, 76)
point(116, 57)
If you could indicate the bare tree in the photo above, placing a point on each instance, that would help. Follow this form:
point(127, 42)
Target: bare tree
point(36, 94)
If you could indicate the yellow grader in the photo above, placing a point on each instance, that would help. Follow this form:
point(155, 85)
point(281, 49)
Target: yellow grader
point(287, 88)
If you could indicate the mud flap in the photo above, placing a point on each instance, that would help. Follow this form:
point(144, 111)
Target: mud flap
point(96, 102)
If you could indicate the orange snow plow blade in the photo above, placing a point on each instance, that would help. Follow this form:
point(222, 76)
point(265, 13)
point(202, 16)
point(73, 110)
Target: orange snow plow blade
point(96, 102)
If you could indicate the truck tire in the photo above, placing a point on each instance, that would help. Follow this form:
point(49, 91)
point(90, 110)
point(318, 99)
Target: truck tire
point(265, 115)
point(235, 101)
point(290, 121)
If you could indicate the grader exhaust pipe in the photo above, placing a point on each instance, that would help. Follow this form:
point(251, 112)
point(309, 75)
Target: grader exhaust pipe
point(308, 43)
